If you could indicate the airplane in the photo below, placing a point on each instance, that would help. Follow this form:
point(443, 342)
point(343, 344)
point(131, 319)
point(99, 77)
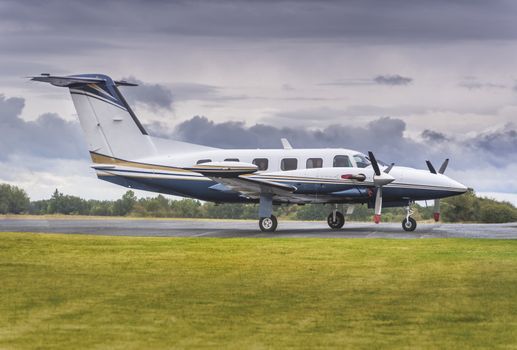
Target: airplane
point(123, 153)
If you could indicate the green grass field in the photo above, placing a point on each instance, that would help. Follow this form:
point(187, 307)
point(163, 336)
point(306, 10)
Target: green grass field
point(73, 292)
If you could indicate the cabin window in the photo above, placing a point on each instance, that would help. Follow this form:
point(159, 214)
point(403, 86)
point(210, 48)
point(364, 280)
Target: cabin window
point(201, 161)
point(342, 162)
point(314, 163)
point(289, 164)
point(361, 161)
point(261, 163)
point(231, 160)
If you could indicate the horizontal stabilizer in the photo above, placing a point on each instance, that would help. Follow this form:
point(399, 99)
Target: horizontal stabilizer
point(71, 80)
point(66, 81)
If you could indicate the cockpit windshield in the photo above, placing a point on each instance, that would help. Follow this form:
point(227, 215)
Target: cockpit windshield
point(362, 161)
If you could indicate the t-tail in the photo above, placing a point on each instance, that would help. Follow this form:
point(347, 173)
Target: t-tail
point(111, 128)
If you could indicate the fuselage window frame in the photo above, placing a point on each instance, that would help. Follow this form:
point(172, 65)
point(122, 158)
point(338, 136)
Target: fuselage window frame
point(289, 164)
point(336, 163)
point(261, 163)
point(202, 161)
point(313, 163)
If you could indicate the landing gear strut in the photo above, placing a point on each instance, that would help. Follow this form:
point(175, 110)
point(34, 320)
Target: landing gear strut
point(336, 220)
point(267, 221)
point(409, 224)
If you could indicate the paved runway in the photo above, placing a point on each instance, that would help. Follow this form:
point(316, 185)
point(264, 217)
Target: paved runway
point(244, 228)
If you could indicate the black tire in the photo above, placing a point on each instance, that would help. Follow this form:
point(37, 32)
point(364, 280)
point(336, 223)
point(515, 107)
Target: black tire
point(409, 225)
point(268, 224)
point(340, 221)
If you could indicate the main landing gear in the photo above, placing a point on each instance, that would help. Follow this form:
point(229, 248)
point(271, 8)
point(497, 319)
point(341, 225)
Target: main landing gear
point(267, 221)
point(268, 224)
point(336, 220)
point(409, 224)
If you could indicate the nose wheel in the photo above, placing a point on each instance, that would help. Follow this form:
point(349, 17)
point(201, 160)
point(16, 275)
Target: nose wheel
point(336, 220)
point(409, 224)
point(268, 224)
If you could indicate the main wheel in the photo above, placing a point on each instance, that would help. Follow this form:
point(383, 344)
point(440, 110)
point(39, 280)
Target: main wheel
point(268, 224)
point(338, 223)
point(409, 225)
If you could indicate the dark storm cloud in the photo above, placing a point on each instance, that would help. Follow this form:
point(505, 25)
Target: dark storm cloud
point(160, 96)
point(373, 20)
point(472, 83)
point(500, 142)
point(49, 136)
point(394, 79)
point(154, 96)
point(387, 79)
point(385, 136)
point(433, 136)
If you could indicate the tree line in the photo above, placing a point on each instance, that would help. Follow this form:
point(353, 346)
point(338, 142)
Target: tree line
point(465, 208)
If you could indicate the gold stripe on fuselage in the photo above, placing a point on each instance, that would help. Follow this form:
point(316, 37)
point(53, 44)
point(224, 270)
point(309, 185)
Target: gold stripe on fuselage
point(103, 159)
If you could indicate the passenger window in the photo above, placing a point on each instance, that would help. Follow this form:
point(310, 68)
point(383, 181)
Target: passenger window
point(261, 163)
point(201, 161)
point(314, 163)
point(342, 162)
point(289, 164)
point(231, 160)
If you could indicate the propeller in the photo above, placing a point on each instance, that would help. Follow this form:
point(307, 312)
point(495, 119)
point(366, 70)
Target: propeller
point(436, 208)
point(388, 169)
point(444, 166)
point(430, 166)
point(379, 179)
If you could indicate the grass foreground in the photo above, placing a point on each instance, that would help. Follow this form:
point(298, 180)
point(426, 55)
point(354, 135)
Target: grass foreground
point(75, 291)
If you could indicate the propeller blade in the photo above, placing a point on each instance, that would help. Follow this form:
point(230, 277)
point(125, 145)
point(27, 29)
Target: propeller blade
point(444, 166)
point(388, 169)
point(436, 214)
point(375, 165)
point(431, 167)
point(378, 205)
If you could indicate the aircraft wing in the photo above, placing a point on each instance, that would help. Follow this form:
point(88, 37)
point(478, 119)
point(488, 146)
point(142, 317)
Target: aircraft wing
point(254, 187)
point(238, 177)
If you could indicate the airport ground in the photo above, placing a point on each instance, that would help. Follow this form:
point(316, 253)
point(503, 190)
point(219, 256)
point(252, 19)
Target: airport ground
point(90, 291)
point(148, 227)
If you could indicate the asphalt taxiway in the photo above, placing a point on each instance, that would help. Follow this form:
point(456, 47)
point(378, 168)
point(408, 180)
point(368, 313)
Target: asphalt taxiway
point(245, 228)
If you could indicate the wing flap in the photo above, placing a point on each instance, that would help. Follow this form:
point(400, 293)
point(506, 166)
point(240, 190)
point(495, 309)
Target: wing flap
point(253, 187)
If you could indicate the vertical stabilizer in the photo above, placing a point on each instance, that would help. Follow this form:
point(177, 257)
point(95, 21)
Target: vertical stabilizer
point(110, 126)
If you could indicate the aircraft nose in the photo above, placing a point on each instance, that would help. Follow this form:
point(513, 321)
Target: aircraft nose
point(458, 187)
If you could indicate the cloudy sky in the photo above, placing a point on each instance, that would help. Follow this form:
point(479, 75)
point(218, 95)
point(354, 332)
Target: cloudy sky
point(409, 80)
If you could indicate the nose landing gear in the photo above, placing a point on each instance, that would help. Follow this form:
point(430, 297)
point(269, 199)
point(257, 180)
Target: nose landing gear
point(409, 224)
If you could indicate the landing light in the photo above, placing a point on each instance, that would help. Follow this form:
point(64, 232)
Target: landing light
point(358, 177)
